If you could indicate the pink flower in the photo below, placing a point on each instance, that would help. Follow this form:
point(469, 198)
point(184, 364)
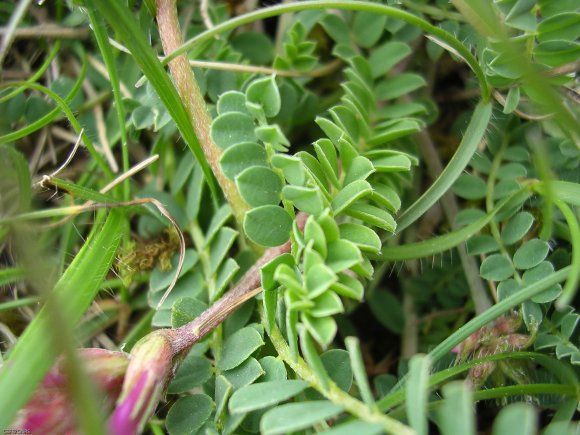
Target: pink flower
point(50, 410)
point(149, 371)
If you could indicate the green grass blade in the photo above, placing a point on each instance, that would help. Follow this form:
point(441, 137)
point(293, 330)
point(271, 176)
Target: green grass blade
point(563, 372)
point(50, 116)
point(571, 286)
point(11, 275)
point(37, 74)
point(62, 105)
point(102, 39)
point(437, 245)
point(473, 136)
point(33, 354)
point(565, 190)
point(497, 310)
point(121, 20)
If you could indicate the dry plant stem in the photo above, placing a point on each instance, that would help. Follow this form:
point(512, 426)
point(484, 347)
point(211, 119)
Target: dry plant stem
point(48, 31)
point(194, 103)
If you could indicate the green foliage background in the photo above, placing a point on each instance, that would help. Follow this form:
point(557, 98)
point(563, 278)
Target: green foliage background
point(435, 148)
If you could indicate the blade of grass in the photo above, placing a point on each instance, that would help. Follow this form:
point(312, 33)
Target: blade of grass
point(62, 105)
point(50, 116)
point(11, 275)
point(100, 33)
point(563, 372)
point(121, 20)
point(571, 286)
point(37, 74)
point(17, 303)
point(437, 245)
point(33, 354)
point(497, 310)
point(471, 139)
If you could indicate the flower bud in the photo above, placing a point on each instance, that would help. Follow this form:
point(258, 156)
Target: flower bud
point(149, 371)
point(51, 410)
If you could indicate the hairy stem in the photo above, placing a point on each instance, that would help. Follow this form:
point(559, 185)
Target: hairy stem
point(450, 208)
point(333, 393)
point(192, 98)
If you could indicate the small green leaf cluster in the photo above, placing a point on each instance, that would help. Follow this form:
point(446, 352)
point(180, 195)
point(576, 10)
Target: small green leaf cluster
point(546, 33)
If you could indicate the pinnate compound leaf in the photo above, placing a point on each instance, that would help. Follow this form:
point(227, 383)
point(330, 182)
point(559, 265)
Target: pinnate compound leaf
point(496, 268)
point(259, 185)
point(232, 101)
point(241, 156)
point(188, 414)
point(564, 26)
point(268, 225)
point(356, 427)
point(322, 329)
point(238, 348)
point(185, 310)
point(349, 194)
point(306, 199)
point(386, 56)
point(368, 28)
point(365, 238)
point(296, 416)
point(265, 93)
point(192, 372)
point(264, 394)
point(244, 374)
point(531, 253)
point(517, 228)
point(232, 128)
point(481, 244)
point(469, 187)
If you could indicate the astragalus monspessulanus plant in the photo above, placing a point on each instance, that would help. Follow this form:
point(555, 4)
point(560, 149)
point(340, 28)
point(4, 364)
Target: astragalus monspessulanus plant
point(365, 217)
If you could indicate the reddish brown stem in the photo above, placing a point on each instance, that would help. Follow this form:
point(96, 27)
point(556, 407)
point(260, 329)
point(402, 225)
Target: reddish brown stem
point(187, 335)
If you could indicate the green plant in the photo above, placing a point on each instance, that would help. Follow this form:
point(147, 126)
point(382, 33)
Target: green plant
point(310, 228)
